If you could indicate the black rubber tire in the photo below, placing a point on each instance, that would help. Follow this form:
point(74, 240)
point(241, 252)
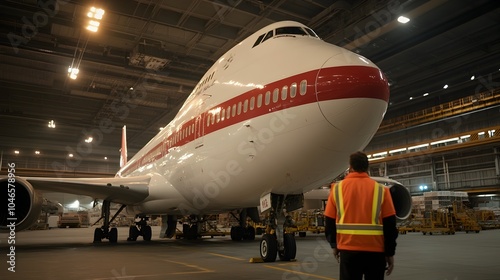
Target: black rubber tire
point(133, 233)
point(268, 248)
point(146, 233)
point(237, 233)
point(290, 250)
point(98, 235)
point(113, 235)
point(249, 233)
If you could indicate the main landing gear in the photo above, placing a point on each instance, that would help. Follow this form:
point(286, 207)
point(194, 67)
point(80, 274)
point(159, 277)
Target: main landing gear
point(141, 228)
point(244, 231)
point(104, 231)
point(276, 241)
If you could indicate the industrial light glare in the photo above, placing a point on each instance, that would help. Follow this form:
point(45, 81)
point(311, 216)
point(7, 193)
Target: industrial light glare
point(403, 19)
point(73, 72)
point(411, 97)
point(423, 187)
point(37, 152)
point(92, 28)
point(425, 94)
point(52, 124)
point(472, 77)
point(445, 86)
point(89, 140)
point(70, 155)
point(105, 158)
point(16, 152)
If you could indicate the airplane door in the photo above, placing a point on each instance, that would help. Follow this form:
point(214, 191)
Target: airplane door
point(199, 131)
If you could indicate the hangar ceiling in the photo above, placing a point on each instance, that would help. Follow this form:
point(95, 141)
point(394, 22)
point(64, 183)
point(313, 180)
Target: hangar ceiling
point(149, 54)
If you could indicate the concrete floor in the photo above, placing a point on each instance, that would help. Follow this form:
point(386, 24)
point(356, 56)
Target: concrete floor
point(69, 254)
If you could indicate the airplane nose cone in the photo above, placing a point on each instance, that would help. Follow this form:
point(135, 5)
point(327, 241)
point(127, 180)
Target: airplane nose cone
point(353, 98)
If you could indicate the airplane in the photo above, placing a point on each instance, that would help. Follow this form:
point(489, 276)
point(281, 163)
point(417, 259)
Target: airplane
point(275, 117)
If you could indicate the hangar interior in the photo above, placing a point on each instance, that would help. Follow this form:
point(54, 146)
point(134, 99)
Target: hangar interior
point(441, 130)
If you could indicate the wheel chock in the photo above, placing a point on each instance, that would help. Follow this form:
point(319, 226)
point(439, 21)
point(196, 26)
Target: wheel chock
point(256, 260)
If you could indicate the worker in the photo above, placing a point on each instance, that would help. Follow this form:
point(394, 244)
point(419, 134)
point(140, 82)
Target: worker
point(360, 224)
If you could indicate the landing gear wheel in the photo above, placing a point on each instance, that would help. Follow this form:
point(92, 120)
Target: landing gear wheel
point(133, 233)
point(268, 248)
point(190, 232)
point(113, 235)
point(237, 233)
point(98, 234)
point(249, 233)
point(290, 248)
point(146, 233)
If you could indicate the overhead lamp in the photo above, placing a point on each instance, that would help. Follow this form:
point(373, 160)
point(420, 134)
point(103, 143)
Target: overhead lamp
point(16, 152)
point(472, 77)
point(37, 152)
point(105, 158)
point(89, 140)
point(94, 15)
point(425, 94)
point(52, 124)
point(70, 155)
point(445, 86)
point(403, 19)
point(73, 73)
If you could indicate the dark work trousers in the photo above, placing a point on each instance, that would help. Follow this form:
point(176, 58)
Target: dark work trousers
point(354, 264)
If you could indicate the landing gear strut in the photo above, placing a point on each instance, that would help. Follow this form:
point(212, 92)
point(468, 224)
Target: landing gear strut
point(141, 228)
point(244, 231)
point(276, 241)
point(105, 231)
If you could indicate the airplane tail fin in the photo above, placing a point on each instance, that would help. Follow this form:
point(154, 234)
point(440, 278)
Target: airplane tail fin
point(123, 150)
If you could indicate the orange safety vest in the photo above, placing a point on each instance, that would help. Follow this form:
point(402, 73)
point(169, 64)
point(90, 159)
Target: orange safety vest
point(359, 230)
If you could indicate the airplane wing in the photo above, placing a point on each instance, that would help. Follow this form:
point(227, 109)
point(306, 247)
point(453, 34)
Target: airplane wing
point(126, 190)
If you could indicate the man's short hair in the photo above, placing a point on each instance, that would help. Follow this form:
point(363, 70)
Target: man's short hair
point(359, 162)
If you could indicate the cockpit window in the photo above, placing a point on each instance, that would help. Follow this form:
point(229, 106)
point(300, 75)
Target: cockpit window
point(268, 35)
point(258, 40)
point(311, 32)
point(295, 30)
point(288, 30)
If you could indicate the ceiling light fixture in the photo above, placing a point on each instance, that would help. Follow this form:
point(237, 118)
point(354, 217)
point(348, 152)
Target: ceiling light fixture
point(445, 86)
point(94, 15)
point(425, 94)
point(89, 140)
point(52, 124)
point(472, 77)
point(16, 152)
point(403, 19)
point(37, 152)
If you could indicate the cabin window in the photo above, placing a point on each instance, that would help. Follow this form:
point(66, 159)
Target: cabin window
point(303, 87)
point(259, 100)
point(284, 93)
point(223, 114)
point(268, 97)
point(234, 110)
point(276, 94)
point(239, 108)
point(293, 90)
point(228, 112)
point(213, 118)
point(208, 121)
point(217, 117)
point(245, 106)
point(252, 103)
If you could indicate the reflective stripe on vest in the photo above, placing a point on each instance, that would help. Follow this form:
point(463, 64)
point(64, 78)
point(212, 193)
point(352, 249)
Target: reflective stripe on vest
point(375, 228)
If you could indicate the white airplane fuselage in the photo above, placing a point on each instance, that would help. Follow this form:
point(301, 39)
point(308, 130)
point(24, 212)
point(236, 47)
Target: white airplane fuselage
point(233, 142)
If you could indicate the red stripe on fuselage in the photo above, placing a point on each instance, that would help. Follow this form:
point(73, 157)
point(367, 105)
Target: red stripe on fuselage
point(331, 83)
